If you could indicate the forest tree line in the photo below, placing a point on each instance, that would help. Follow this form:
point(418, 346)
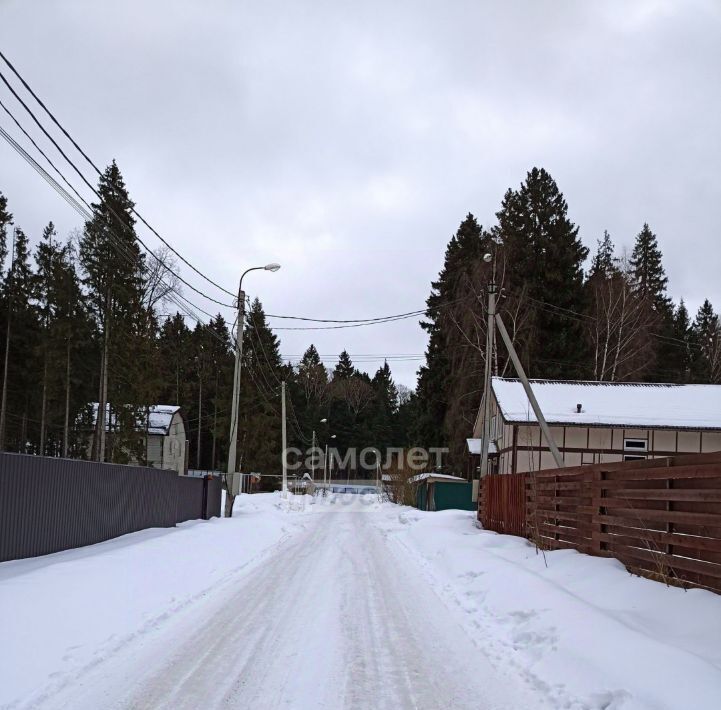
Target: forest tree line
point(85, 320)
point(89, 319)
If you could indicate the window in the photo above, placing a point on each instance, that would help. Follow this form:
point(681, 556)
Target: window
point(635, 445)
point(632, 457)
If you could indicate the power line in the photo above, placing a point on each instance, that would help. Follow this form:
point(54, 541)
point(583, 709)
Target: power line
point(99, 196)
point(98, 171)
point(121, 248)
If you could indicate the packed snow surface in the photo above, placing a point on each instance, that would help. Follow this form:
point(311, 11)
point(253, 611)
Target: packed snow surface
point(346, 602)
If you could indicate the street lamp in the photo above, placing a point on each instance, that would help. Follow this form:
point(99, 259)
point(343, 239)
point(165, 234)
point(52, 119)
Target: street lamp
point(312, 451)
point(232, 449)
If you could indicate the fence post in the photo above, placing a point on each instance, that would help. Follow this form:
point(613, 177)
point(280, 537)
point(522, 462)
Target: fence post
point(597, 527)
point(204, 511)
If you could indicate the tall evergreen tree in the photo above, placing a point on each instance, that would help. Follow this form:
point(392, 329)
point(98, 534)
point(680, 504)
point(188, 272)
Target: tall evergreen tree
point(450, 381)
point(383, 422)
point(543, 264)
point(21, 338)
point(706, 345)
point(114, 271)
point(604, 262)
point(678, 362)
point(650, 281)
point(259, 430)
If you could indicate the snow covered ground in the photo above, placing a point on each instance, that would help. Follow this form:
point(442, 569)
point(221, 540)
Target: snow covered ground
point(351, 605)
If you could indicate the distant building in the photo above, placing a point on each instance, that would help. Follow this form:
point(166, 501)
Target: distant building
point(163, 433)
point(596, 422)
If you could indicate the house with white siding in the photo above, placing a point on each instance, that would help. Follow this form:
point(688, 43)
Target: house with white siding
point(163, 428)
point(596, 422)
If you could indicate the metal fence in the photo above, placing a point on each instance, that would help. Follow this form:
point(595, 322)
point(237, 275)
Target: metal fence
point(51, 504)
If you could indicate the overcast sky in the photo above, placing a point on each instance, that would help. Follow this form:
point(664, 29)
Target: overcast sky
point(347, 140)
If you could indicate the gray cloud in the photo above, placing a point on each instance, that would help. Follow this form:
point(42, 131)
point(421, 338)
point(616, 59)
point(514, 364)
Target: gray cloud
point(348, 140)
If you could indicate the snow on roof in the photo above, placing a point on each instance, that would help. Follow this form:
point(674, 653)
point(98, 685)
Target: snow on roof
point(474, 446)
point(628, 404)
point(436, 477)
point(160, 417)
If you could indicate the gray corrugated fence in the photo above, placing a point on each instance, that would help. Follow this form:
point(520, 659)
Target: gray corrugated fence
point(51, 504)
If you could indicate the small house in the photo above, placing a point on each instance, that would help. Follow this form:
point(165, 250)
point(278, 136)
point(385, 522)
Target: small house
point(596, 422)
point(163, 432)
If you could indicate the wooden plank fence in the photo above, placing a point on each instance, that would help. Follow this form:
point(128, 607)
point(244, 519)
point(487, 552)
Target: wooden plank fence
point(660, 517)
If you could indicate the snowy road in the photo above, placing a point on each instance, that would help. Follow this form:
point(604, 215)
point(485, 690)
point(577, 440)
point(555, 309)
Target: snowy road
point(335, 617)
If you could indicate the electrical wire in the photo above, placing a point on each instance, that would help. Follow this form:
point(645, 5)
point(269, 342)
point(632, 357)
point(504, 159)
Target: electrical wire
point(98, 171)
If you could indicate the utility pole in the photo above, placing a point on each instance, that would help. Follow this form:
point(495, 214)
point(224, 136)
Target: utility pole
point(494, 319)
point(312, 458)
point(283, 433)
point(529, 393)
point(325, 465)
point(233, 443)
point(490, 335)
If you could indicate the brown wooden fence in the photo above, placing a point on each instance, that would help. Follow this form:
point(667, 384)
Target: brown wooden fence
point(660, 517)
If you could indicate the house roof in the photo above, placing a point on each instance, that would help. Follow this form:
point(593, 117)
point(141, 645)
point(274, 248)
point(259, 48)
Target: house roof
point(628, 404)
point(160, 416)
point(474, 446)
point(433, 477)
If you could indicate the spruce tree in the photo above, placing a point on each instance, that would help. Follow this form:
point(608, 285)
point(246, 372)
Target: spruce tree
point(649, 281)
point(678, 363)
point(114, 278)
point(706, 346)
point(344, 368)
point(20, 352)
point(649, 275)
point(543, 265)
point(259, 431)
point(6, 219)
point(604, 262)
point(383, 423)
point(449, 382)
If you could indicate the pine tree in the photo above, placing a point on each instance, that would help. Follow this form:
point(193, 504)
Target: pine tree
point(543, 264)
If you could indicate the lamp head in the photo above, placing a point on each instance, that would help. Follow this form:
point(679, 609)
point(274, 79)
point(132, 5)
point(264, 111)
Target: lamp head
point(487, 258)
point(272, 267)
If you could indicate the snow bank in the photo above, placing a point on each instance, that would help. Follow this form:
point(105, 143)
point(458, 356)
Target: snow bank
point(581, 630)
point(61, 614)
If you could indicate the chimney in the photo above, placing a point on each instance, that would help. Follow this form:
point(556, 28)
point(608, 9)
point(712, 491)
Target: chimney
point(578, 408)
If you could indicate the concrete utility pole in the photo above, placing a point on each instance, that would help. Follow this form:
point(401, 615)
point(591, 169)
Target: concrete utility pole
point(312, 458)
point(283, 434)
point(493, 319)
point(490, 337)
point(529, 393)
point(232, 486)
